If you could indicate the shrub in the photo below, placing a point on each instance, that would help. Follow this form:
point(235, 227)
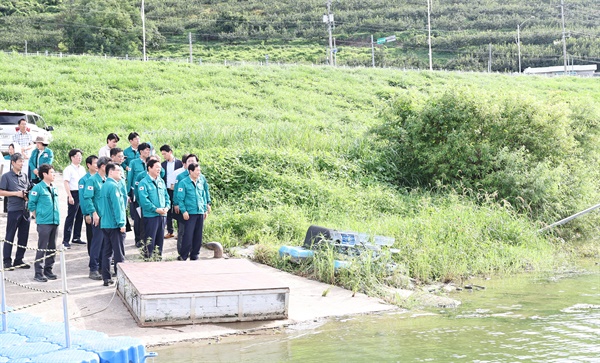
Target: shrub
point(527, 152)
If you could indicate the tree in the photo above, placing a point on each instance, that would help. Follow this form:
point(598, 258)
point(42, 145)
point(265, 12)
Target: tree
point(103, 26)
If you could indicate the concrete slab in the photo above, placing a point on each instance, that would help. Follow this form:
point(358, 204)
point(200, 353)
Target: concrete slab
point(180, 292)
point(95, 307)
point(213, 275)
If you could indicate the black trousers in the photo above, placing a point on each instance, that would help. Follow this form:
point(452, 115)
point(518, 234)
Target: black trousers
point(138, 222)
point(170, 213)
point(74, 219)
point(47, 241)
point(180, 231)
point(112, 248)
point(154, 227)
point(192, 238)
point(16, 221)
point(96, 244)
point(89, 234)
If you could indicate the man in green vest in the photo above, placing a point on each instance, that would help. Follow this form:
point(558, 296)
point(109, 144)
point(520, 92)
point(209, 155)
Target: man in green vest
point(117, 157)
point(90, 162)
point(112, 223)
point(91, 209)
point(132, 152)
point(136, 167)
point(188, 160)
point(43, 203)
point(155, 204)
point(194, 208)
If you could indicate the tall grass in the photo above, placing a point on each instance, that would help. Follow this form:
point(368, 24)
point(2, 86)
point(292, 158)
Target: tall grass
point(284, 147)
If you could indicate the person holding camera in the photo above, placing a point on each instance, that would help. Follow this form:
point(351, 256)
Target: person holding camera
point(15, 186)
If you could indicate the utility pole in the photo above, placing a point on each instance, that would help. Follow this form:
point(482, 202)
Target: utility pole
point(519, 45)
point(490, 60)
point(564, 40)
point(328, 18)
point(191, 59)
point(25, 47)
point(144, 30)
point(334, 53)
point(372, 51)
point(519, 40)
point(429, 33)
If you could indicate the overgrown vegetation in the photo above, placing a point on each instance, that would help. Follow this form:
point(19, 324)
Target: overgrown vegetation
point(287, 147)
point(537, 156)
point(293, 31)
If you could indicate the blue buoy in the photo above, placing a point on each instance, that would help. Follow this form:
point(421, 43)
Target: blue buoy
point(27, 350)
point(68, 356)
point(117, 349)
point(30, 340)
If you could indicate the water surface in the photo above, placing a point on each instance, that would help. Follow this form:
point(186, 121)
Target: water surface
point(541, 318)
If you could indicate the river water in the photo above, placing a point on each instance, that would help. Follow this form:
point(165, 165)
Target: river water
point(526, 318)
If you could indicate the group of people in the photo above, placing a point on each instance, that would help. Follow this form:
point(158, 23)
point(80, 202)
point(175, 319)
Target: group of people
point(156, 193)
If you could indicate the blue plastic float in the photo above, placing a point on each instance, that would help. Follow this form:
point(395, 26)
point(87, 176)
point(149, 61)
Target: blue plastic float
point(30, 340)
point(344, 243)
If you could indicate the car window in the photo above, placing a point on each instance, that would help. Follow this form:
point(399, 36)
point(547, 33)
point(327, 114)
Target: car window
point(40, 122)
point(10, 119)
point(31, 119)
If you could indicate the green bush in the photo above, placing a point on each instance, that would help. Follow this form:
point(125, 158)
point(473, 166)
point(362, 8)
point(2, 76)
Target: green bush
point(529, 153)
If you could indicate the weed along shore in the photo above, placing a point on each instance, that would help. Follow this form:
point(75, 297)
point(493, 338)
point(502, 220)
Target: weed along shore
point(95, 307)
point(461, 170)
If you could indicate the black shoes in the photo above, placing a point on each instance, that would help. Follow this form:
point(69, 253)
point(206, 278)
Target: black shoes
point(108, 282)
point(22, 265)
point(48, 275)
point(95, 275)
point(75, 241)
point(40, 278)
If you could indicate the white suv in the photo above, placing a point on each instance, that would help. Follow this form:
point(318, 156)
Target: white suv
point(9, 125)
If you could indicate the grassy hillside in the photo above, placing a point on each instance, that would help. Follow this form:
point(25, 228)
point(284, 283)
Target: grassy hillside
point(286, 147)
point(292, 31)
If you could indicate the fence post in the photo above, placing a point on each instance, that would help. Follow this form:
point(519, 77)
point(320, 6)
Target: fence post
point(63, 267)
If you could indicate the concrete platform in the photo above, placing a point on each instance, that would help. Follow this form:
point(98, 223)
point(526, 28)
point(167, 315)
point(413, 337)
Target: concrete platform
point(186, 292)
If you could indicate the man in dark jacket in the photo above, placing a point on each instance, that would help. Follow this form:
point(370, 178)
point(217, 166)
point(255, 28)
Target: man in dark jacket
point(14, 187)
point(170, 164)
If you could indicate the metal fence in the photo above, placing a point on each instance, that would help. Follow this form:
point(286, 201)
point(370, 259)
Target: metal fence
point(226, 62)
